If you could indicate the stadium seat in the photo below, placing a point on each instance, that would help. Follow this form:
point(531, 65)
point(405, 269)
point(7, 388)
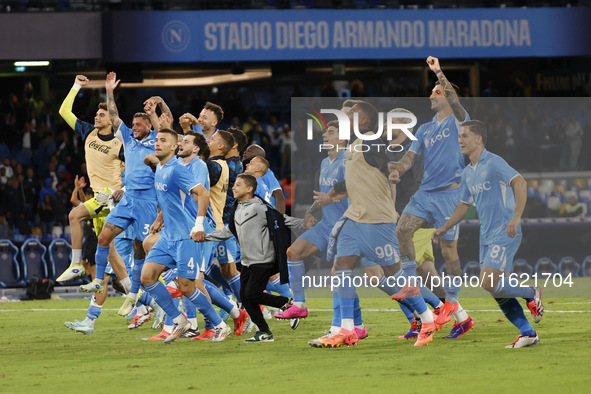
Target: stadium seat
point(532, 192)
point(554, 203)
point(533, 183)
point(567, 266)
point(547, 186)
point(4, 151)
point(33, 258)
point(585, 194)
point(586, 267)
point(580, 182)
point(10, 272)
point(472, 268)
point(545, 265)
point(521, 267)
point(60, 252)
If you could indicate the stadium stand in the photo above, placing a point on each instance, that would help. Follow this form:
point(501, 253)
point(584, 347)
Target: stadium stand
point(545, 266)
point(568, 266)
point(59, 252)
point(472, 268)
point(521, 267)
point(586, 267)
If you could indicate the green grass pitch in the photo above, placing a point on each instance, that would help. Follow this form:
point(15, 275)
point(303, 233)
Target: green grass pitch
point(39, 354)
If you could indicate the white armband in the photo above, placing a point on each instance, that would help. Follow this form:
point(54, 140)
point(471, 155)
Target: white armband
point(76, 86)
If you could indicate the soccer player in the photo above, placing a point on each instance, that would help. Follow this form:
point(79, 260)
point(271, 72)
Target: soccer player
point(424, 257)
point(368, 229)
point(209, 118)
point(439, 192)
point(174, 184)
point(315, 240)
point(103, 154)
point(499, 193)
point(138, 206)
point(258, 253)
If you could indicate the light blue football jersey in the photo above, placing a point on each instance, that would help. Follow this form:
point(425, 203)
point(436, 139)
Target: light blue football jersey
point(199, 170)
point(138, 175)
point(330, 174)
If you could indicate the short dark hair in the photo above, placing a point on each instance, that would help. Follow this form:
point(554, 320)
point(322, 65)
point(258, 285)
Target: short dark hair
point(350, 103)
point(200, 141)
point(477, 127)
point(333, 123)
point(239, 137)
point(228, 141)
point(142, 115)
point(249, 180)
point(453, 85)
point(216, 109)
point(104, 106)
point(171, 132)
point(371, 112)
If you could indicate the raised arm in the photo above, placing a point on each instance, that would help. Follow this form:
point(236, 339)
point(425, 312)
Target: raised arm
point(150, 109)
point(78, 196)
point(398, 168)
point(110, 85)
point(66, 107)
point(448, 89)
point(163, 107)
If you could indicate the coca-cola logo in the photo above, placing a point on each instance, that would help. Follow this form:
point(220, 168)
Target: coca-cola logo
point(104, 148)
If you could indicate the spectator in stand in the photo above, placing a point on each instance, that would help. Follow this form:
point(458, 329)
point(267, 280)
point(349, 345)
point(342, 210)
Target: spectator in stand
point(3, 178)
point(574, 136)
point(47, 189)
point(248, 126)
point(61, 204)
point(288, 146)
point(8, 167)
point(574, 209)
point(47, 215)
point(5, 230)
point(13, 202)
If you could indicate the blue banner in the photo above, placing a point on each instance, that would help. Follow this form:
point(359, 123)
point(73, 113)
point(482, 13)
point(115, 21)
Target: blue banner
point(263, 35)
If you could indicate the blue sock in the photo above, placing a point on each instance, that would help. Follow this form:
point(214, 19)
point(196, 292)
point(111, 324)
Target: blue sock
point(167, 319)
point(101, 259)
point(136, 275)
point(514, 313)
point(202, 303)
point(452, 289)
point(404, 306)
point(347, 293)
point(94, 310)
point(389, 287)
point(168, 276)
point(282, 289)
point(234, 283)
point(270, 287)
point(296, 272)
point(357, 319)
point(162, 297)
point(217, 297)
point(336, 309)
point(190, 309)
point(216, 274)
point(227, 291)
point(409, 268)
point(407, 312)
point(429, 297)
point(145, 299)
point(506, 289)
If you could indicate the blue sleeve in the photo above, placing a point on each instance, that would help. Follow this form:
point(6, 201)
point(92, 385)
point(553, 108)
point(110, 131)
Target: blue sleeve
point(504, 172)
point(83, 128)
point(272, 181)
point(126, 132)
point(465, 197)
point(197, 129)
point(417, 145)
point(201, 175)
point(184, 179)
point(215, 171)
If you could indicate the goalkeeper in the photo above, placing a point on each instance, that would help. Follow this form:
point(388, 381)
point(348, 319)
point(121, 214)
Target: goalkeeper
point(103, 153)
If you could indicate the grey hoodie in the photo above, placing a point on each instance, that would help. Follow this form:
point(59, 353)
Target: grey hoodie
point(251, 227)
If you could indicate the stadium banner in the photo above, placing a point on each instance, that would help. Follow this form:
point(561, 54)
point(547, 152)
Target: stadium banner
point(263, 35)
point(535, 136)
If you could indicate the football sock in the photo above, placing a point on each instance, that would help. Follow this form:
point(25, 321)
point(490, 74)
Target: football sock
point(76, 255)
point(514, 313)
point(94, 309)
point(202, 303)
point(506, 289)
point(100, 258)
point(296, 273)
point(461, 315)
point(159, 293)
point(136, 274)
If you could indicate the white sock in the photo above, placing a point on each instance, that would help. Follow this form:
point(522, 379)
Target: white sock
point(427, 316)
point(141, 309)
point(76, 255)
point(89, 320)
point(235, 313)
point(460, 314)
point(100, 281)
point(439, 305)
point(168, 329)
point(223, 323)
point(179, 319)
point(132, 296)
point(348, 324)
point(299, 304)
point(193, 321)
point(416, 314)
point(334, 329)
point(126, 283)
point(360, 327)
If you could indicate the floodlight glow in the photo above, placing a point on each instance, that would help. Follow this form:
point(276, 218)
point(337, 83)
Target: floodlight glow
point(34, 63)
